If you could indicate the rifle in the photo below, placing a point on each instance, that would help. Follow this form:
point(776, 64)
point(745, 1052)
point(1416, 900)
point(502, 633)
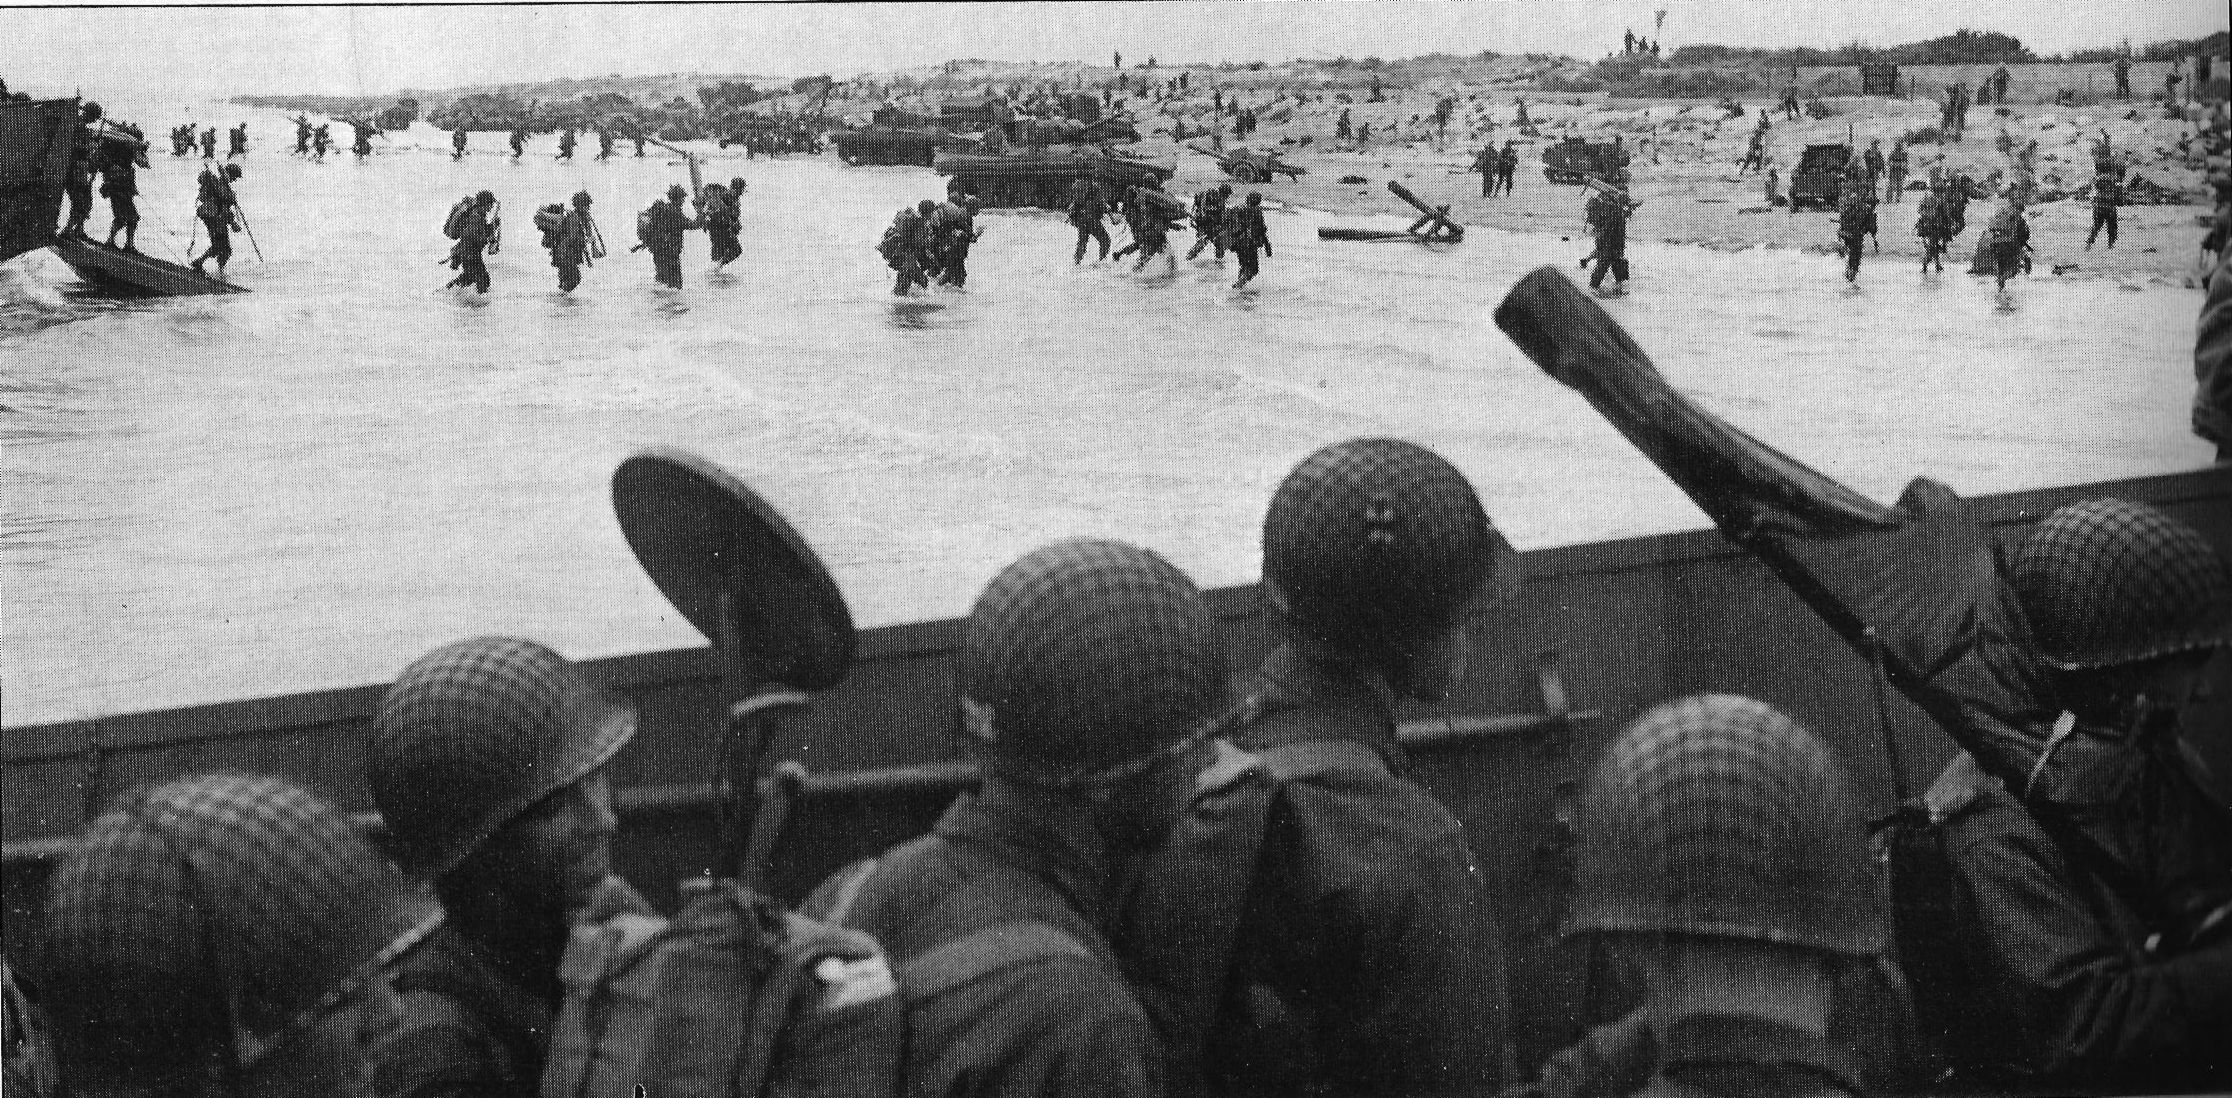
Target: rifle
point(243, 212)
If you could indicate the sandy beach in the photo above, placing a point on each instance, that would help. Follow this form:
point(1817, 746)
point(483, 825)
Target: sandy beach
point(1686, 151)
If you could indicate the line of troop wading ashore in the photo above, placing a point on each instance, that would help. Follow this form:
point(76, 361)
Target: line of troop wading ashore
point(1171, 884)
point(929, 243)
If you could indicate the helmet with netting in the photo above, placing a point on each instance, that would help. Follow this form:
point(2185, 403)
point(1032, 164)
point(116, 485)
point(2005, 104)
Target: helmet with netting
point(1717, 815)
point(474, 733)
point(1088, 655)
point(1371, 540)
point(201, 921)
point(2108, 582)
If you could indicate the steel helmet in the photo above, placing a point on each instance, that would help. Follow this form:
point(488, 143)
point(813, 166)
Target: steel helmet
point(926, 207)
point(233, 171)
point(1224, 188)
point(2108, 582)
point(1371, 540)
point(207, 898)
point(1717, 815)
point(581, 200)
point(1085, 655)
point(474, 733)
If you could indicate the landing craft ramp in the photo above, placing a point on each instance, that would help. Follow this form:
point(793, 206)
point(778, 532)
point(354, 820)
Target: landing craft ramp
point(1632, 622)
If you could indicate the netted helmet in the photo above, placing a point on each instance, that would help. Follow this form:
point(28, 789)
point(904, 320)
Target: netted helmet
point(1372, 540)
point(2108, 582)
point(1717, 815)
point(205, 920)
point(475, 732)
point(581, 200)
point(1087, 655)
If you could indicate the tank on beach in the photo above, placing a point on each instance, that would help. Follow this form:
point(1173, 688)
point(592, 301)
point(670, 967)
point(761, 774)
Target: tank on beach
point(1042, 177)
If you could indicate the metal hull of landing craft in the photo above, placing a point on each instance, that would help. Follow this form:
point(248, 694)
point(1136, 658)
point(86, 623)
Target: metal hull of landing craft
point(136, 274)
point(1599, 632)
point(35, 139)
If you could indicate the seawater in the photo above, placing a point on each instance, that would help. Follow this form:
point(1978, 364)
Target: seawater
point(308, 485)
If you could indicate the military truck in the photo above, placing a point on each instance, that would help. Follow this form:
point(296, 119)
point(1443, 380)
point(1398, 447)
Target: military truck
point(1574, 160)
point(1819, 177)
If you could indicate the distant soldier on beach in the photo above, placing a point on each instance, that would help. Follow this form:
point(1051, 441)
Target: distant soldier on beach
point(2123, 77)
point(361, 145)
point(1755, 155)
point(209, 143)
point(1087, 211)
point(457, 142)
point(1895, 168)
point(1790, 102)
point(1507, 165)
point(1342, 131)
point(2107, 194)
point(1872, 160)
point(1249, 234)
point(639, 137)
point(604, 142)
point(566, 143)
point(1607, 216)
point(302, 135)
point(219, 210)
point(2000, 78)
point(476, 229)
point(239, 141)
point(518, 141)
point(1485, 163)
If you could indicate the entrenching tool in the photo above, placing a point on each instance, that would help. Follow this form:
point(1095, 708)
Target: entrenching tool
point(729, 562)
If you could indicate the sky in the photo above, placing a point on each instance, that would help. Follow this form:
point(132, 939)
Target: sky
point(377, 49)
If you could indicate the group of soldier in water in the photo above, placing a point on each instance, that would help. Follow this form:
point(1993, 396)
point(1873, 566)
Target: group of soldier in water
point(571, 234)
point(1169, 885)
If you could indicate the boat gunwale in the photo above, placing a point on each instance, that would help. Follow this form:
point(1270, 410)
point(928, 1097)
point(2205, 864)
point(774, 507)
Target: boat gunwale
point(300, 711)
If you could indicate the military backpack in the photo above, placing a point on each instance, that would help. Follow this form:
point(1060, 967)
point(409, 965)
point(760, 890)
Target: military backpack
point(737, 996)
